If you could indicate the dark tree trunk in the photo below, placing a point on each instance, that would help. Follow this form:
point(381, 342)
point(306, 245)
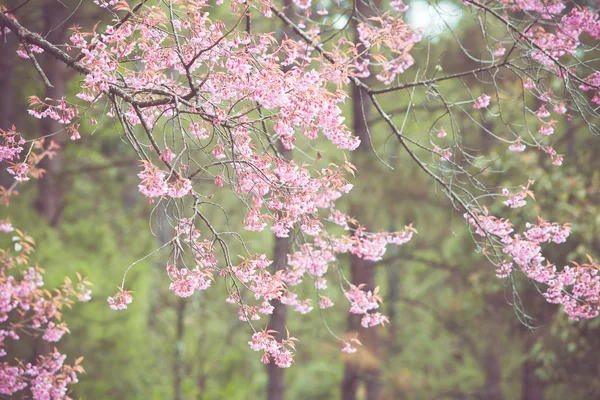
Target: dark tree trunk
point(7, 119)
point(49, 201)
point(490, 358)
point(571, 136)
point(350, 382)
point(178, 366)
point(201, 385)
point(7, 50)
point(392, 299)
point(533, 388)
point(493, 374)
point(358, 367)
point(276, 385)
point(361, 367)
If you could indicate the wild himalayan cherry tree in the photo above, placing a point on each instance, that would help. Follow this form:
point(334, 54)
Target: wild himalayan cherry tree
point(200, 99)
point(26, 308)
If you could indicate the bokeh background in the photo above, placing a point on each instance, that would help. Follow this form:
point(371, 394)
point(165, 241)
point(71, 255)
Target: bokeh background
point(455, 331)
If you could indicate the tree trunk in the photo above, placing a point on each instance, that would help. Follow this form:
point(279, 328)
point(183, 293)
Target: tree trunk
point(391, 300)
point(364, 365)
point(571, 136)
point(276, 385)
point(7, 119)
point(491, 354)
point(201, 386)
point(178, 366)
point(49, 202)
point(350, 382)
point(493, 374)
point(533, 388)
point(7, 50)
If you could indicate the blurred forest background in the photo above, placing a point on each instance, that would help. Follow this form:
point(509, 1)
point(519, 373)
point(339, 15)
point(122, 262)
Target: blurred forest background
point(455, 332)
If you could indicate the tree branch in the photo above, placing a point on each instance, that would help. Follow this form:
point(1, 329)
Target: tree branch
point(435, 80)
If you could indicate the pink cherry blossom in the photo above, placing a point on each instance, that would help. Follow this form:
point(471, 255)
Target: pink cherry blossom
point(482, 101)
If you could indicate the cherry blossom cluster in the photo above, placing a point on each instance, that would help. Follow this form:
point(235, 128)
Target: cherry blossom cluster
point(315, 260)
point(557, 159)
point(482, 101)
point(6, 226)
point(309, 260)
point(278, 352)
point(241, 67)
point(300, 306)
point(48, 378)
point(547, 127)
point(363, 302)
point(367, 245)
point(445, 153)
point(154, 183)
point(290, 192)
point(395, 37)
point(11, 144)
point(26, 308)
point(593, 84)
point(23, 166)
point(61, 112)
point(121, 300)
point(576, 287)
point(22, 52)
point(253, 274)
point(185, 282)
point(518, 200)
point(553, 37)
point(517, 146)
point(349, 345)
point(566, 36)
point(203, 250)
point(105, 4)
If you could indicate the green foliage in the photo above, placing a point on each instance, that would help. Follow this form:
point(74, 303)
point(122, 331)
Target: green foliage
point(450, 309)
